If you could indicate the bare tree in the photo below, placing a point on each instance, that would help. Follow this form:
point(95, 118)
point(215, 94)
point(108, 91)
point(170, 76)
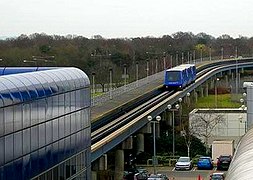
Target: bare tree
point(202, 124)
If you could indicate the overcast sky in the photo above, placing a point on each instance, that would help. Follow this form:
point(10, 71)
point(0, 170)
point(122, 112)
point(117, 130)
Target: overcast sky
point(126, 18)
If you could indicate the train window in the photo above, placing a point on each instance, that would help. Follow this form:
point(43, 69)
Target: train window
point(173, 76)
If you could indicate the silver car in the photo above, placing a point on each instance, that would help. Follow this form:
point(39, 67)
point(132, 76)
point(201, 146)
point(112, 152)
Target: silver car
point(183, 163)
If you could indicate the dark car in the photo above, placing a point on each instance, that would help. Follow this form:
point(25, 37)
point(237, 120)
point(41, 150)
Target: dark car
point(224, 162)
point(205, 163)
point(217, 176)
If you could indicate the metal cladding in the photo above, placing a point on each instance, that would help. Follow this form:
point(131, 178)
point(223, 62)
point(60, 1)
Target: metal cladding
point(44, 124)
point(241, 166)
point(249, 107)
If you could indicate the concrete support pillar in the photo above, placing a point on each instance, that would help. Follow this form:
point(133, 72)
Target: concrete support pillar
point(140, 143)
point(146, 129)
point(196, 96)
point(226, 81)
point(119, 165)
point(103, 162)
point(206, 89)
point(201, 92)
point(242, 70)
point(100, 164)
point(128, 143)
point(94, 175)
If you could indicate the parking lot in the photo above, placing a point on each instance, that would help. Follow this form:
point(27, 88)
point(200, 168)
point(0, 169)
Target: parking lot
point(193, 174)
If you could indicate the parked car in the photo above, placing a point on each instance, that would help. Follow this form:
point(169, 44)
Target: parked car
point(138, 174)
point(217, 176)
point(195, 159)
point(224, 162)
point(158, 177)
point(183, 163)
point(205, 163)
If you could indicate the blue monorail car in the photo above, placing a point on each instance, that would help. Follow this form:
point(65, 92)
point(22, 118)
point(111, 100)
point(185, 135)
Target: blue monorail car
point(191, 72)
point(179, 77)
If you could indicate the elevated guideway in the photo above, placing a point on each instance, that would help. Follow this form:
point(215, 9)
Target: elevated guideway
point(117, 105)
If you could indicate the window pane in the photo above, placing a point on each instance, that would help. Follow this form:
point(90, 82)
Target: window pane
point(18, 144)
point(67, 125)
point(42, 110)
point(34, 138)
point(55, 106)
point(26, 115)
point(18, 117)
point(8, 148)
point(26, 141)
point(49, 132)
point(49, 108)
point(42, 135)
point(61, 127)
point(55, 130)
point(8, 117)
point(34, 109)
point(73, 122)
point(1, 121)
point(1, 151)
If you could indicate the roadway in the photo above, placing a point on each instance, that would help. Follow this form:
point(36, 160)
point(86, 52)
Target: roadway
point(183, 175)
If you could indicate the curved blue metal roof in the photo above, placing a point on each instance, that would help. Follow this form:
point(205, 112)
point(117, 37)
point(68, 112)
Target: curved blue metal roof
point(23, 87)
point(16, 70)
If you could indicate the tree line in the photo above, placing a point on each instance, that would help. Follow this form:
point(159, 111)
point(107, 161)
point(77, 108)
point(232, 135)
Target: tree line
point(97, 55)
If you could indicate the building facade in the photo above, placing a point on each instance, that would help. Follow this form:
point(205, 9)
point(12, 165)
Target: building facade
point(45, 125)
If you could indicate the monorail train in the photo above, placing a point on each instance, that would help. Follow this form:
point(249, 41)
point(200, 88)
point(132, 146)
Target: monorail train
point(180, 76)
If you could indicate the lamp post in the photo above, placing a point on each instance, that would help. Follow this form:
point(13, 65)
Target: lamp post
point(171, 61)
point(110, 72)
point(222, 53)
point(180, 112)
point(173, 126)
point(182, 58)
point(177, 59)
point(216, 98)
point(243, 107)
point(164, 60)
point(157, 119)
point(188, 98)
point(236, 76)
point(201, 54)
point(147, 69)
point(137, 73)
point(210, 53)
point(125, 76)
point(93, 83)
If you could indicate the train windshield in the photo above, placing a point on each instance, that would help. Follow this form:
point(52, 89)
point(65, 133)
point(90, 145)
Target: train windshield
point(173, 76)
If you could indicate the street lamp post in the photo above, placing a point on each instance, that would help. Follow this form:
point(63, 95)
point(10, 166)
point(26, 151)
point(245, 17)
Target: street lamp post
point(164, 60)
point(236, 76)
point(93, 83)
point(188, 98)
point(157, 119)
point(125, 76)
point(173, 126)
point(171, 61)
point(137, 73)
point(110, 71)
point(222, 53)
point(201, 54)
point(182, 58)
point(180, 112)
point(210, 53)
point(147, 69)
point(216, 98)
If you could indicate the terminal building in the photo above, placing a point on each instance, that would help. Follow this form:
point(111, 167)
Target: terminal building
point(45, 125)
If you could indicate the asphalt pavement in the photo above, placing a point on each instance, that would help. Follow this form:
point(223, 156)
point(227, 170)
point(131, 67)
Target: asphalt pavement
point(193, 174)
